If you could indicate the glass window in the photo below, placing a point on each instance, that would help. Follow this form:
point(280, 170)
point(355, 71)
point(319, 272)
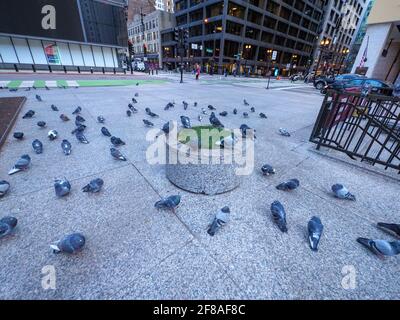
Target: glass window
point(196, 15)
point(231, 48)
point(254, 17)
point(252, 33)
point(285, 13)
point(282, 27)
point(269, 22)
point(235, 10)
point(267, 37)
point(273, 7)
point(214, 10)
point(213, 27)
point(279, 40)
point(181, 20)
point(234, 28)
point(195, 31)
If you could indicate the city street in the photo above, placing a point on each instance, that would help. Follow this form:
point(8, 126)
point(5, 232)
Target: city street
point(134, 251)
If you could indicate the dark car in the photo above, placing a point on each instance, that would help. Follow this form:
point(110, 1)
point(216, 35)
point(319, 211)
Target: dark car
point(322, 82)
point(374, 86)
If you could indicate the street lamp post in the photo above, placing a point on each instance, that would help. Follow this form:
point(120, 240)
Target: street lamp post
point(323, 45)
point(269, 53)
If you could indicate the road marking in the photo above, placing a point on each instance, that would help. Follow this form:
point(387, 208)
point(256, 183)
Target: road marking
point(72, 83)
point(4, 84)
point(291, 87)
point(26, 84)
point(51, 83)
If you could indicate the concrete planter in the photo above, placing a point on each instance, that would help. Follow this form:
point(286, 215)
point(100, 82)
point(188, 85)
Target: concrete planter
point(203, 170)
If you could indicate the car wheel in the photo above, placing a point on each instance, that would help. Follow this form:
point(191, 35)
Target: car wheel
point(323, 91)
point(319, 85)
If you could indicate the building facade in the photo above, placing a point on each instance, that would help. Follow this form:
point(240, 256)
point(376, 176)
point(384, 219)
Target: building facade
point(379, 54)
point(252, 36)
point(145, 33)
point(342, 19)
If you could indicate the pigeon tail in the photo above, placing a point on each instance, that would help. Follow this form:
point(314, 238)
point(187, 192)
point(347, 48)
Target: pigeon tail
point(213, 227)
point(350, 196)
point(314, 240)
point(55, 248)
point(13, 170)
point(364, 241)
point(391, 228)
point(87, 188)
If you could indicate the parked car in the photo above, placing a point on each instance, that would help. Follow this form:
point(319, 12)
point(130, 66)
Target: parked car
point(321, 82)
point(374, 86)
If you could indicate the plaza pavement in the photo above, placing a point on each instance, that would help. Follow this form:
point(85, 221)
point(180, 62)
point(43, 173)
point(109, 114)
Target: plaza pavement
point(134, 251)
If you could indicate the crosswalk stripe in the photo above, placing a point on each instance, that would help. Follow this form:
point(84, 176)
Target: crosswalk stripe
point(72, 83)
point(4, 84)
point(51, 83)
point(26, 84)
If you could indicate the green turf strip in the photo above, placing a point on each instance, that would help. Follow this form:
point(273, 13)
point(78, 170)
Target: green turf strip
point(14, 84)
point(101, 83)
point(39, 83)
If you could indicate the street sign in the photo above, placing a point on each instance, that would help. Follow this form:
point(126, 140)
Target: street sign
point(274, 54)
point(208, 50)
point(144, 58)
point(288, 66)
point(194, 46)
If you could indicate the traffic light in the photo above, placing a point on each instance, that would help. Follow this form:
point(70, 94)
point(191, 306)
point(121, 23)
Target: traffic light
point(144, 48)
point(176, 34)
point(186, 35)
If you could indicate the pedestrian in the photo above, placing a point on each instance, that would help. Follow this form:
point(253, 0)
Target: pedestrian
point(197, 71)
point(226, 72)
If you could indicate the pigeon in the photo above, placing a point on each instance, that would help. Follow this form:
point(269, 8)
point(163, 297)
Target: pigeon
point(262, 115)
point(62, 187)
point(14, 90)
point(128, 113)
point(37, 146)
point(52, 134)
point(72, 243)
point(41, 124)
point(185, 105)
point(315, 228)
point(245, 115)
point(166, 127)
point(93, 186)
point(137, 83)
point(235, 111)
point(66, 147)
point(117, 141)
point(247, 131)
point(117, 154)
point(105, 132)
point(279, 215)
point(199, 117)
point(195, 104)
point(136, 94)
point(266, 170)
point(288, 185)
point(169, 203)
point(228, 141)
point(18, 135)
point(223, 114)
point(153, 115)
point(168, 106)
point(38, 98)
point(185, 122)
point(134, 100)
point(7, 225)
point(29, 114)
point(252, 109)
point(81, 138)
point(284, 132)
point(77, 110)
point(215, 121)
point(21, 164)
point(54, 108)
point(391, 228)
point(63, 117)
point(341, 192)
point(381, 247)
point(203, 111)
point(148, 123)
point(211, 107)
point(101, 119)
point(79, 119)
point(220, 219)
point(245, 102)
point(4, 187)
point(132, 108)
point(79, 128)
point(47, 88)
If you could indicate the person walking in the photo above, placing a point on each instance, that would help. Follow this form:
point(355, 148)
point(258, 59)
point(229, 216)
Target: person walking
point(197, 71)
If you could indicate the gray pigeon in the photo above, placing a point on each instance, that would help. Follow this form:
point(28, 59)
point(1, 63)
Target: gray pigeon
point(117, 154)
point(62, 187)
point(37, 146)
point(41, 124)
point(252, 109)
point(77, 110)
point(284, 132)
point(7, 225)
point(267, 170)
point(134, 100)
point(29, 114)
point(211, 107)
point(63, 117)
point(71, 243)
point(166, 127)
point(18, 135)
point(38, 98)
point(79, 119)
point(66, 147)
point(315, 229)
point(132, 108)
point(21, 164)
point(215, 121)
point(199, 117)
point(245, 102)
point(128, 113)
point(148, 111)
point(220, 219)
point(288, 185)
point(185, 105)
point(81, 137)
point(245, 115)
point(101, 119)
point(153, 115)
point(136, 94)
point(247, 131)
point(186, 122)
point(279, 215)
point(4, 187)
point(195, 104)
point(117, 141)
point(54, 108)
point(169, 105)
point(223, 114)
point(262, 115)
point(341, 192)
point(391, 228)
point(52, 134)
point(235, 111)
point(169, 203)
point(93, 186)
point(80, 128)
point(105, 132)
point(148, 123)
point(381, 247)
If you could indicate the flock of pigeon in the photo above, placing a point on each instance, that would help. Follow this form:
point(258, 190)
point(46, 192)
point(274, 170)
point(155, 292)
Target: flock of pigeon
point(74, 242)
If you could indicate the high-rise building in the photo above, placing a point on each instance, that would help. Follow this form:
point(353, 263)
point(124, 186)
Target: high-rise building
point(246, 36)
point(379, 54)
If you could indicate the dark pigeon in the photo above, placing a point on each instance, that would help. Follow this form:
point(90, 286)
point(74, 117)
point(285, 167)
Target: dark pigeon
point(279, 215)
point(136, 94)
point(4, 187)
point(63, 117)
point(148, 123)
point(79, 119)
point(66, 147)
point(245, 102)
point(284, 132)
point(128, 113)
point(77, 110)
point(341, 192)
point(381, 247)
point(81, 137)
point(288, 185)
point(38, 98)
point(245, 115)
point(169, 105)
point(21, 164)
point(41, 124)
point(7, 225)
point(223, 114)
point(134, 100)
point(117, 154)
point(117, 141)
point(54, 108)
point(93, 186)
point(220, 219)
point(79, 128)
point(185, 105)
point(235, 111)
point(29, 114)
point(211, 107)
point(247, 131)
point(267, 170)
point(72, 243)
point(18, 135)
point(169, 203)
point(105, 132)
point(215, 121)
point(186, 122)
point(315, 229)
point(391, 228)
point(37, 146)
point(148, 111)
point(195, 104)
point(166, 127)
point(262, 115)
point(100, 119)
point(252, 109)
point(62, 187)
point(153, 115)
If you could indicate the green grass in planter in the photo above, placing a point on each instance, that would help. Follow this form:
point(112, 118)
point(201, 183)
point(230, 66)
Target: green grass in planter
point(213, 135)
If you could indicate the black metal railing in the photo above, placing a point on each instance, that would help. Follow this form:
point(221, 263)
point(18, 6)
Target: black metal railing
point(361, 126)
